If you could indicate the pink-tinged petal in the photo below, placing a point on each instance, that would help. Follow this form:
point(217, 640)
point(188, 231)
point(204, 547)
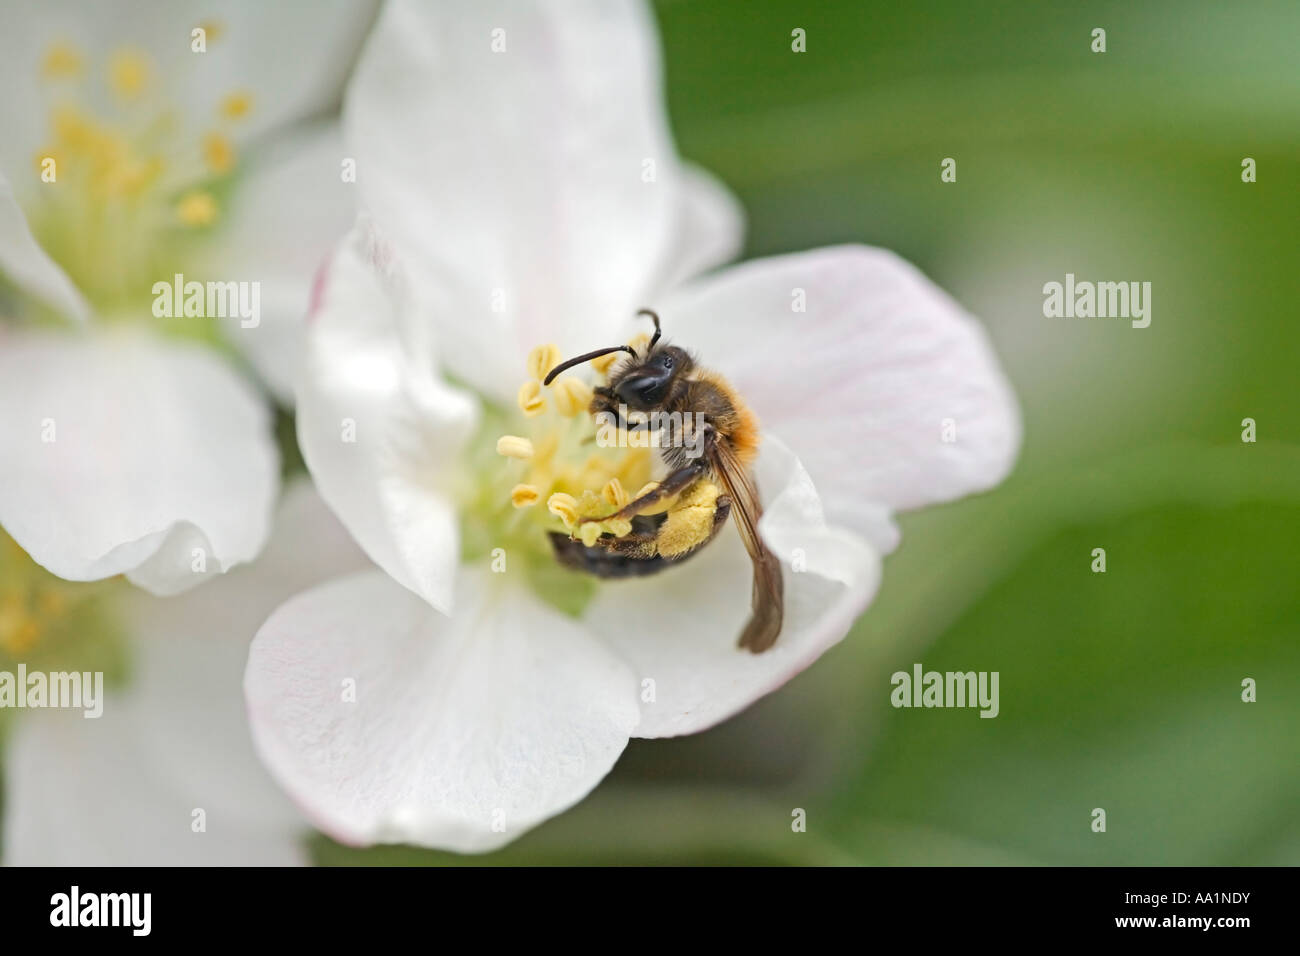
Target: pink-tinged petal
point(122, 789)
point(127, 454)
point(380, 432)
point(519, 154)
point(887, 391)
point(678, 628)
point(26, 266)
point(291, 209)
point(389, 722)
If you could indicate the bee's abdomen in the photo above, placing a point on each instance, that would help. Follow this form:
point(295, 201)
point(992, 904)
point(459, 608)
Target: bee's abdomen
point(602, 562)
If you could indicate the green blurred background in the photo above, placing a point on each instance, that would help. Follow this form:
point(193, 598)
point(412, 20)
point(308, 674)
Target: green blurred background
point(1119, 690)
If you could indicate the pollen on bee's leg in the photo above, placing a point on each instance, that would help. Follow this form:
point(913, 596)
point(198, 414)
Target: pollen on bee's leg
point(541, 360)
point(572, 396)
point(531, 402)
point(524, 496)
point(564, 507)
point(690, 520)
point(512, 446)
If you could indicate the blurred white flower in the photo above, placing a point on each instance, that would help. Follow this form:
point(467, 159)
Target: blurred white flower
point(130, 444)
point(167, 774)
point(524, 189)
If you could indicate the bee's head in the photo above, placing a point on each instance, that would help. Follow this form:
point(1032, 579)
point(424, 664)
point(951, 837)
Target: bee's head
point(643, 385)
point(646, 381)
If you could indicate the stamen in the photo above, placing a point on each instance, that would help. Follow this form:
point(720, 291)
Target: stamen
point(218, 153)
point(128, 73)
point(197, 209)
point(512, 446)
point(62, 61)
point(542, 359)
point(524, 496)
point(572, 396)
point(603, 364)
point(531, 402)
point(237, 105)
point(614, 493)
point(18, 628)
point(564, 507)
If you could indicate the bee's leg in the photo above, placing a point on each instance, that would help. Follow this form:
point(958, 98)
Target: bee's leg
point(679, 480)
point(604, 401)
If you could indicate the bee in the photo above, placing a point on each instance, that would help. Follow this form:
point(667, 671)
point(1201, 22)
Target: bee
point(707, 476)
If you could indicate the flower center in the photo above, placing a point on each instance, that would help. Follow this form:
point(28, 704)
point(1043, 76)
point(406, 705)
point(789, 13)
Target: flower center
point(56, 624)
point(125, 185)
point(552, 457)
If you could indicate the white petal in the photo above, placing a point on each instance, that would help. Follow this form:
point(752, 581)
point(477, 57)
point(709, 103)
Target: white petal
point(289, 211)
point(292, 57)
point(862, 383)
point(121, 789)
point(465, 731)
point(124, 454)
point(535, 189)
point(24, 263)
point(710, 229)
point(679, 628)
point(378, 429)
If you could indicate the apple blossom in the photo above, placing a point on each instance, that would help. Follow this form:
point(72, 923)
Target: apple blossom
point(523, 198)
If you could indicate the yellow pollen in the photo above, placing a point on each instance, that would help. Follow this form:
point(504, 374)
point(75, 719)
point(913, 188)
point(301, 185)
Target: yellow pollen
point(218, 153)
point(62, 61)
point(51, 603)
point(640, 342)
point(128, 73)
point(524, 496)
point(542, 359)
point(564, 507)
point(197, 209)
point(614, 493)
point(19, 629)
point(212, 29)
point(512, 446)
point(237, 105)
point(531, 402)
point(647, 488)
point(603, 364)
point(572, 396)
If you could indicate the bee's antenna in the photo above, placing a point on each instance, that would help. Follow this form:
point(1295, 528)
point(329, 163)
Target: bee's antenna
point(654, 315)
point(550, 376)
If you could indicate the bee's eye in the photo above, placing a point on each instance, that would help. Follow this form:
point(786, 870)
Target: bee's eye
point(666, 361)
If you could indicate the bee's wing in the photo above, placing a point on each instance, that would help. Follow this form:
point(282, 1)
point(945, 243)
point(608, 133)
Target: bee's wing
point(768, 601)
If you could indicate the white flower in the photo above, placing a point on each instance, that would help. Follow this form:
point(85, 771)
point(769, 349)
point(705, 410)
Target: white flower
point(130, 445)
point(166, 775)
point(505, 152)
